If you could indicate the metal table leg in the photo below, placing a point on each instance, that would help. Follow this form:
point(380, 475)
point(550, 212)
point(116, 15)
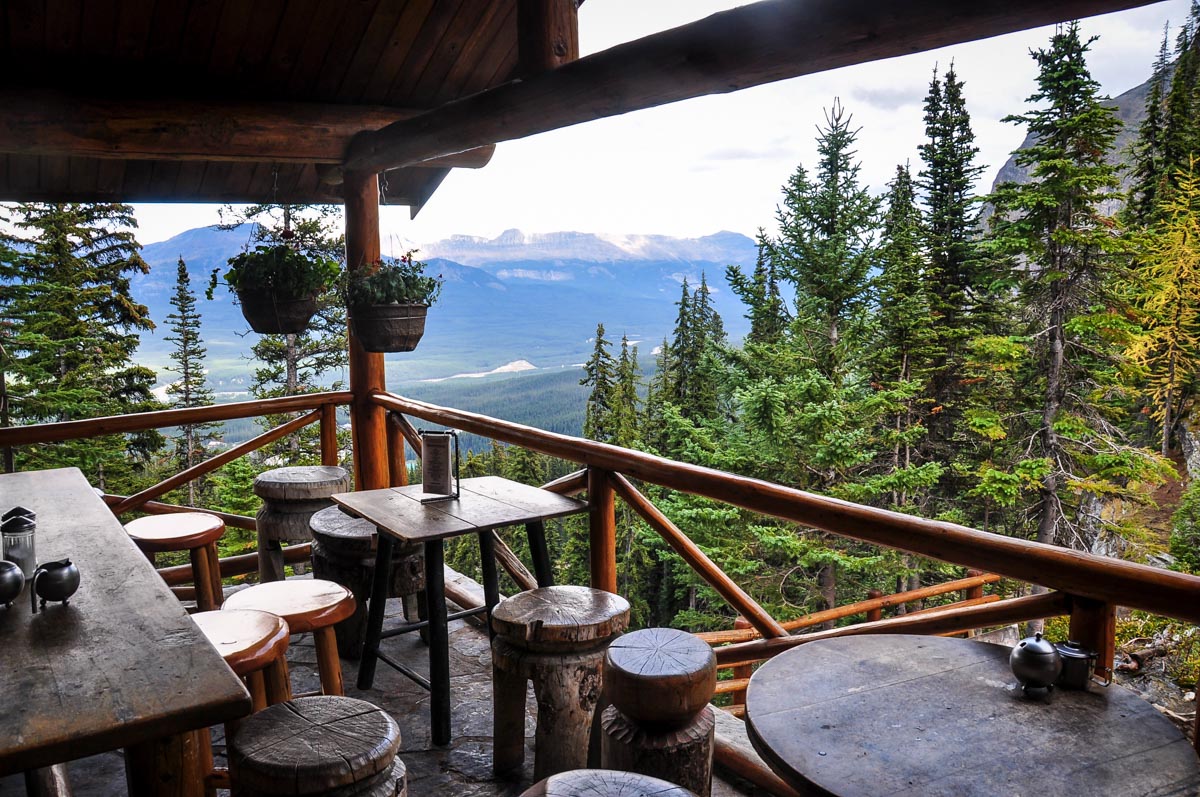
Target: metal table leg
point(491, 579)
point(439, 644)
point(536, 531)
point(375, 609)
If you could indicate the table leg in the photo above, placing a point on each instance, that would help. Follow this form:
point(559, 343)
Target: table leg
point(439, 644)
point(491, 579)
point(536, 530)
point(375, 609)
point(168, 767)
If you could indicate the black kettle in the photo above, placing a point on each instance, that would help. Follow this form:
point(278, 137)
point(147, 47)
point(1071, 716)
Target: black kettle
point(53, 581)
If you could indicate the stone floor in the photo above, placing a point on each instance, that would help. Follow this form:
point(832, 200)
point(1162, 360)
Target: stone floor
point(462, 769)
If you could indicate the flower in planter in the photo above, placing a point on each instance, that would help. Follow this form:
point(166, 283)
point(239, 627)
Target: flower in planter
point(277, 286)
point(400, 281)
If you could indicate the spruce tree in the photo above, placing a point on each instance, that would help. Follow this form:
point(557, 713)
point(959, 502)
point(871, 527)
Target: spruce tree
point(1068, 257)
point(1147, 167)
point(825, 247)
point(600, 374)
point(73, 329)
point(766, 309)
point(191, 388)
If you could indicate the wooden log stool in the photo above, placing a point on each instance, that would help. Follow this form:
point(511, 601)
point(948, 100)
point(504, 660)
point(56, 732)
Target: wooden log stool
point(254, 644)
point(291, 496)
point(305, 605)
point(556, 638)
point(659, 682)
point(194, 532)
point(604, 783)
point(326, 746)
point(344, 551)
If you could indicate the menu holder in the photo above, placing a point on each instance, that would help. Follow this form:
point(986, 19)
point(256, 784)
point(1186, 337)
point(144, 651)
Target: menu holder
point(439, 465)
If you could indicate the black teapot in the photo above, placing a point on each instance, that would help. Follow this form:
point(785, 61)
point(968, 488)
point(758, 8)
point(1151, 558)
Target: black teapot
point(12, 581)
point(53, 581)
point(1036, 663)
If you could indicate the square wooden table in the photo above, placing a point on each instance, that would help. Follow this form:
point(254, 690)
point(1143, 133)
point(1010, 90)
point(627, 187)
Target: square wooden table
point(484, 504)
point(122, 665)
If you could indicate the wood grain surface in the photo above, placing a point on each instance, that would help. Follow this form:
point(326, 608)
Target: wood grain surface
point(913, 715)
point(175, 532)
point(604, 783)
point(247, 639)
point(659, 676)
point(565, 614)
point(122, 664)
point(301, 482)
point(312, 744)
point(487, 502)
point(306, 604)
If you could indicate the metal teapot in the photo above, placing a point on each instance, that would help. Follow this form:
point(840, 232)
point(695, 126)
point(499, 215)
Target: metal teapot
point(1036, 663)
point(1079, 664)
point(12, 581)
point(53, 581)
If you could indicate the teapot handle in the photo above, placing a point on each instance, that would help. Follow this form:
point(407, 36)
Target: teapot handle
point(33, 589)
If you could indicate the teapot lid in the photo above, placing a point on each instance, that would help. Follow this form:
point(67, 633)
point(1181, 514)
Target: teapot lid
point(1074, 650)
point(19, 511)
point(1037, 645)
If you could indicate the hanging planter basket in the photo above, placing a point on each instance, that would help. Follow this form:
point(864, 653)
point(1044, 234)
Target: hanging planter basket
point(388, 327)
point(269, 314)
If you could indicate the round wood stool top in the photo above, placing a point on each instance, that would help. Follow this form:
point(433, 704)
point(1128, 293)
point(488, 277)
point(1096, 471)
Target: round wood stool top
point(354, 535)
point(301, 483)
point(305, 604)
point(660, 676)
point(311, 745)
point(565, 615)
point(180, 531)
point(247, 639)
point(604, 783)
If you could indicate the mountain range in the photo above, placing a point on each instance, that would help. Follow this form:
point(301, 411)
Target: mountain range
point(516, 297)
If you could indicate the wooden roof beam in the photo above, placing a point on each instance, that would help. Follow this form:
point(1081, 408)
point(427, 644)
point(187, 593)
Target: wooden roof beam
point(40, 122)
point(748, 46)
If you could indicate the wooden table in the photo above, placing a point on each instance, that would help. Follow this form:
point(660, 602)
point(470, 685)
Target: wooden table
point(121, 666)
point(484, 504)
point(918, 715)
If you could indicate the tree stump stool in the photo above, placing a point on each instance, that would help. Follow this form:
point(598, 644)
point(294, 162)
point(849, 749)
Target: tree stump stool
point(291, 496)
point(604, 783)
point(326, 746)
point(305, 605)
point(556, 638)
point(659, 682)
point(344, 552)
point(194, 532)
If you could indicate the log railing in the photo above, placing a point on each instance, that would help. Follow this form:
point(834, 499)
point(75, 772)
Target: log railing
point(1085, 586)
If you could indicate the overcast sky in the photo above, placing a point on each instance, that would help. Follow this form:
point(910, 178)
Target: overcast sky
point(717, 163)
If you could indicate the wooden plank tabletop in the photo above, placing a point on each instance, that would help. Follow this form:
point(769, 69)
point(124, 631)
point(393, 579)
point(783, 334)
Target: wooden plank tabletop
point(121, 664)
point(886, 714)
point(486, 502)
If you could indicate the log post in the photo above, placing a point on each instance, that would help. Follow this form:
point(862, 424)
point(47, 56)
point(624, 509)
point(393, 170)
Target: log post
point(975, 592)
point(875, 613)
point(1094, 625)
point(602, 525)
point(547, 35)
point(397, 462)
point(367, 420)
point(741, 671)
point(329, 441)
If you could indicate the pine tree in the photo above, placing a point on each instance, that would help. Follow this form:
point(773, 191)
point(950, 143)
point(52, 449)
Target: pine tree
point(1148, 152)
point(191, 388)
point(825, 248)
point(1068, 256)
point(600, 374)
point(767, 311)
point(74, 327)
point(626, 412)
point(956, 282)
point(1168, 349)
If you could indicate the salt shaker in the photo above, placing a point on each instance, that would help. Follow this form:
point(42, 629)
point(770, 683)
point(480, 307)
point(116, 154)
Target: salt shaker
point(16, 531)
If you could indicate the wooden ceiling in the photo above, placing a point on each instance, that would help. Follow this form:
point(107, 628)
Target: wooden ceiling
point(261, 100)
point(206, 65)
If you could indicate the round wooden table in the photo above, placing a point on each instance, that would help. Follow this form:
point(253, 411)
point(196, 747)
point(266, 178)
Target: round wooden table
point(917, 715)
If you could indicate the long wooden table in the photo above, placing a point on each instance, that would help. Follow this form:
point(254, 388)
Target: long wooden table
point(921, 716)
point(484, 503)
point(121, 666)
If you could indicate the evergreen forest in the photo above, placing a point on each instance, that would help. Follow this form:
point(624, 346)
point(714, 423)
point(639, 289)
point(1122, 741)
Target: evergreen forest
point(1022, 362)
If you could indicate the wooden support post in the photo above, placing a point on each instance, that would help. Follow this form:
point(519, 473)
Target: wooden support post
point(975, 592)
point(875, 613)
point(547, 35)
point(169, 766)
point(397, 462)
point(367, 419)
point(1094, 625)
point(602, 524)
point(742, 672)
point(329, 441)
